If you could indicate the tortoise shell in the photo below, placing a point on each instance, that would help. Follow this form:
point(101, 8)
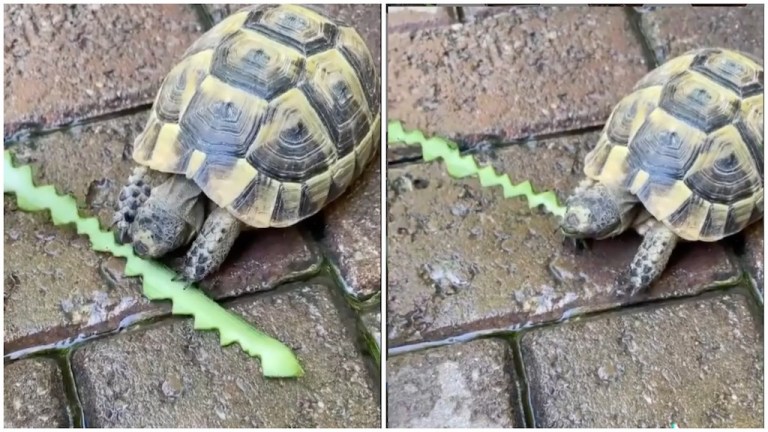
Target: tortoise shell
point(688, 142)
point(273, 112)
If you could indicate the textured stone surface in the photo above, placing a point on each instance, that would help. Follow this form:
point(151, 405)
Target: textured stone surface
point(754, 255)
point(192, 382)
point(402, 19)
point(673, 30)
point(34, 395)
point(105, 58)
point(699, 364)
point(532, 70)
point(462, 258)
point(467, 385)
point(57, 286)
point(352, 234)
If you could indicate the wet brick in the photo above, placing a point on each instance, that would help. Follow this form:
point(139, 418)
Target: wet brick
point(64, 63)
point(58, 287)
point(462, 258)
point(470, 385)
point(186, 380)
point(698, 364)
point(406, 19)
point(673, 30)
point(34, 395)
point(352, 234)
point(529, 71)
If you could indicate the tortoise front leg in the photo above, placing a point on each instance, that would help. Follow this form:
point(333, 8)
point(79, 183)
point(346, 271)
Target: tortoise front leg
point(133, 195)
point(652, 257)
point(211, 246)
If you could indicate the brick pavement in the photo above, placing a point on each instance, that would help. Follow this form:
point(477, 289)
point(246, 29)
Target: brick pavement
point(473, 276)
point(316, 290)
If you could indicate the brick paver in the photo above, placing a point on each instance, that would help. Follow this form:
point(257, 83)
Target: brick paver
point(203, 385)
point(352, 234)
point(470, 385)
point(698, 364)
point(529, 70)
point(672, 30)
point(462, 258)
point(34, 395)
point(105, 59)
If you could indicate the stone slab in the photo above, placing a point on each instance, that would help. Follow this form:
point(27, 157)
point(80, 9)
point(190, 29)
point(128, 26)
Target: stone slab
point(34, 395)
point(185, 379)
point(352, 234)
point(527, 71)
point(64, 63)
point(675, 29)
point(58, 287)
point(461, 258)
point(698, 364)
point(470, 385)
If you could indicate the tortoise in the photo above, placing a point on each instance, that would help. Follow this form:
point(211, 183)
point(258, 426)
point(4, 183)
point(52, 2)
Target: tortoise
point(268, 116)
point(679, 159)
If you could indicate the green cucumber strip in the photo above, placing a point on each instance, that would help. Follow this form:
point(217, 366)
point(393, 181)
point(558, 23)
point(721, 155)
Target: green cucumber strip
point(277, 360)
point(459, 166)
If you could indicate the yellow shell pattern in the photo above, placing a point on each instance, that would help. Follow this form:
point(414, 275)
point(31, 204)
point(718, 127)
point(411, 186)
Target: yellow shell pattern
point(273, 112)
point(688, 142)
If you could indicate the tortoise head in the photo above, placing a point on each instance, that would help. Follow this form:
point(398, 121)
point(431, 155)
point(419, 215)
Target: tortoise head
point(595, 211)
point(157, 231)
point(169, 219)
